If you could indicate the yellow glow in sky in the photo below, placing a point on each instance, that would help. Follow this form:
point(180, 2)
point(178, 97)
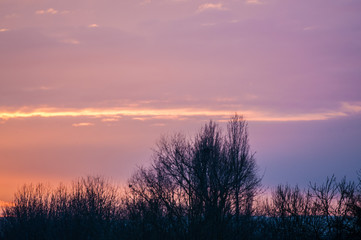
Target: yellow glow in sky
point(175, 113)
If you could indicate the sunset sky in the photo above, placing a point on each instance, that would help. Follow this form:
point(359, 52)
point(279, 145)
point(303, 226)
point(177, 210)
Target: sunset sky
point(88, 87)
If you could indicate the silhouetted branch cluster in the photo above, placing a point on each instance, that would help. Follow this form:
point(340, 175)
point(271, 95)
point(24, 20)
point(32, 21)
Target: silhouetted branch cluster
point(88, 210)
point(326, 211)
point(201, 188)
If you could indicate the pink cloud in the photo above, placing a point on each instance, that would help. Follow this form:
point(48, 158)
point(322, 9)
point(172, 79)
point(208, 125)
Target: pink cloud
point(47, 11)
point(82, 124)
point(211, 6)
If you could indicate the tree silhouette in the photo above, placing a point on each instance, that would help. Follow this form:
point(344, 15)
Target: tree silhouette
point(89, 210)
point(204, 185)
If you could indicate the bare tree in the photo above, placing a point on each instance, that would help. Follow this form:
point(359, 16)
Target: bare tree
point(333, 200)
point(355, 208)
point(89, 210)
point(205, 184)
point(288, 213)
point(324, 211)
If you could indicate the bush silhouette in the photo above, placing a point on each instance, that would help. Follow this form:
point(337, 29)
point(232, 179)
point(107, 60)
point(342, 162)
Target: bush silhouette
point(86, 211)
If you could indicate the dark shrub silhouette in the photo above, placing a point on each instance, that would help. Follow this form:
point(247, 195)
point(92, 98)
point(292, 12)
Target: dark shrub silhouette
point(89, 210)
point(324, 211)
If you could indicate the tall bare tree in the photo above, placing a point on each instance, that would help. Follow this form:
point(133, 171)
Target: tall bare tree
point(205, 184)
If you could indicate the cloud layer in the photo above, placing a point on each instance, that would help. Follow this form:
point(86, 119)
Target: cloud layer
point(87, 80)
point(346, 109)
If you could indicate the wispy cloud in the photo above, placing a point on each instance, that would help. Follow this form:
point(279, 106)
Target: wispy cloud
point(257, 2)
point(94, 25)
point(40, 88)
point(346, 109)
point(4, 29)
point(145, 2)
point(225, 99)
point(309, 28)
point(211, 6)
point(351, 107)
point(208, 24)
point(158, 124)
point(70, 41)
point(141, 118)
point(47, 11)
point(110, 119)
point(83, 124)
point(51, 11)
point(12, 15)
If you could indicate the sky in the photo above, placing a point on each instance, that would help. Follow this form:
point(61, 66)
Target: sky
point(88, 87)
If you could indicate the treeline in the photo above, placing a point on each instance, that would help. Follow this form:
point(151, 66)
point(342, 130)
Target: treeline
point(89, 209)
point(331, 210)
point(92, 208)
point(207, 187)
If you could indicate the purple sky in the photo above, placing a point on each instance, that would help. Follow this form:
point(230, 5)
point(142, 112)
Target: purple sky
point(87, 87)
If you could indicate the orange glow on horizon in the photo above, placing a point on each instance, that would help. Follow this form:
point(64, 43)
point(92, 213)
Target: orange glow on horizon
point(6, 204)
point(3, 205)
